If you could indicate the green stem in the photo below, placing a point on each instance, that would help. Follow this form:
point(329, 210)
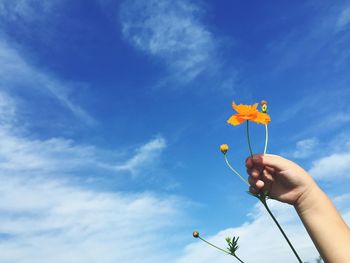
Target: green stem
point(266, 138)
point(233, 170)
point(223, 250)
point(214, 246)
point(263, 201)
point(250, 147)
point(238, 258)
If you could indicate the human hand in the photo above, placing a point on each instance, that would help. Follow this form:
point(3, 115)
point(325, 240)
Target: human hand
point(283, 179)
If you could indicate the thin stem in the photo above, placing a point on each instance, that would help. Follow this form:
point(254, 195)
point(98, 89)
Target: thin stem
point(233, 170)
point(266, 138)
point(250, 147)
point(238, 258)
point(223, 250)
point(280, 228)
point(214, 246)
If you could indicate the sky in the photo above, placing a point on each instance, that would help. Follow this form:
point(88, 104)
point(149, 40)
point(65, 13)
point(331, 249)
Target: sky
point(112, 113)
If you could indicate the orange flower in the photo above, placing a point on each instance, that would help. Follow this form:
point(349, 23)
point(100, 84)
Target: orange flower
point(248, 112)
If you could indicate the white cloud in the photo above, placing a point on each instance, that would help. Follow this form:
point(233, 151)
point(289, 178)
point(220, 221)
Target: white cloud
point(46, 217)
point(21, 155)
point(171, 31)
point(26, 9)
point(304, 148)
point(332, 166)
point(60, 156)
point(48, 221)
point(343, 19)
point(260, 240)
point(7, 110)
point(145, 155)
point(15, 72)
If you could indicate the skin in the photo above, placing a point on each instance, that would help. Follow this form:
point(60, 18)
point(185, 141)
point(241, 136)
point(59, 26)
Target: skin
point(289, 183)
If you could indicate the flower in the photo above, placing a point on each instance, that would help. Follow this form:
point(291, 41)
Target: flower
point(224, 148)
point(248, 112)
point(195, 234)
point(264, 106)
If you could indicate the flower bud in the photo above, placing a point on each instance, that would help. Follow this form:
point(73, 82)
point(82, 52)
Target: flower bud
point(224, 148)
point(264, 106)
point(195, 234)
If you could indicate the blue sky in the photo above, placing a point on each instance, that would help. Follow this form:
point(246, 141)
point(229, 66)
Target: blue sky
point(112, 112)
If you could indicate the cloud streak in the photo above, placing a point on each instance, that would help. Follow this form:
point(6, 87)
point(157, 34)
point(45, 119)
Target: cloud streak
point(343, 19)
point(304, 148)
point(171, 31)
point(28, 10)
point(145, 155)
point(16, 73)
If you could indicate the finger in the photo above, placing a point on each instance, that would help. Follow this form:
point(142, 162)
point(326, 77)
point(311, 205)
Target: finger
point(256, 183)
point(266, 175)
point(268, 179)
point(274, 161)
point(271, 170)
point(254, 172)
point(259, 184)
point(249, 162)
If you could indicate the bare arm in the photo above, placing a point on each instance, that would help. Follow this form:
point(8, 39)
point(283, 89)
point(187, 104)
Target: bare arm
point(325, 226)
point(289, 183)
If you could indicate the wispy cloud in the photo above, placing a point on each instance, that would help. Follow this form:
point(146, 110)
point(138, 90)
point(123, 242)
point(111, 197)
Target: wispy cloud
point(20, 154)
point(321, 41)
point(324, 111)
point(145, 155)
point(304, 148)
point(17, 73)
point(35, 157)
point(332, 166)
point(46, 217)
point(8, 110)
point(171, 31)
point(343, 19)
point(24, 156)
point(26, 9)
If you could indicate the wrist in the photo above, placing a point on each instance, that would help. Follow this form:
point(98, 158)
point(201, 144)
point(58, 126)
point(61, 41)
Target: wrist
point(308, 199)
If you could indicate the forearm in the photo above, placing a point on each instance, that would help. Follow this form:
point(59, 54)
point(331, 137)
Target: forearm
point(325, 226)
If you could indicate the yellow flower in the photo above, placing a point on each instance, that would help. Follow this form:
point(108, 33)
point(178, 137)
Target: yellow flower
point(248, 112)
point(224, 148)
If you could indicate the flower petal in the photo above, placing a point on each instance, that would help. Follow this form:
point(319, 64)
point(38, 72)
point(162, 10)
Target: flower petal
point(236, 107)
point(245, 109)
point(255, 106)
point(235, 120)
point(261, 118)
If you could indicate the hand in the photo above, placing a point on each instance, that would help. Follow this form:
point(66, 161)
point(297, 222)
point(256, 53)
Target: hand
point(285, 180)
